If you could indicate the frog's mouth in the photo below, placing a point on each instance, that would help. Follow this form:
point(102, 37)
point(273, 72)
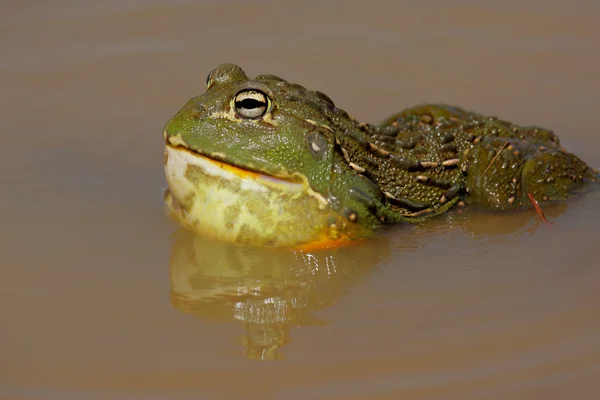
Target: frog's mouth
point(179, 159)
point(215, 198)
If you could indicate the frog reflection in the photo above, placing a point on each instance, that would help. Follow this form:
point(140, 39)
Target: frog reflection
point(269, 291)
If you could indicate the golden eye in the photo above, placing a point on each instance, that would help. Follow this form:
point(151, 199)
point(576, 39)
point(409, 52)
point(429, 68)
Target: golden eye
point(252, 103)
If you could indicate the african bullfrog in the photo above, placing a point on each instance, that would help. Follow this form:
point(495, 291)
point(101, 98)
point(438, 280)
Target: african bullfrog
point(267, 162)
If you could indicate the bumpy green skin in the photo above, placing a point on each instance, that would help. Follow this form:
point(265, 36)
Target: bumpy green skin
point(415, 165)
point(500, 162)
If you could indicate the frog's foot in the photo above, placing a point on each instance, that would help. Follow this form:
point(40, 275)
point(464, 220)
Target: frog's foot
point(504, 174)
point(555, 175)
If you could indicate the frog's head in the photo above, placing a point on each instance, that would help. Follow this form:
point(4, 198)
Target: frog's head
point(263, 125)
point(254, 161)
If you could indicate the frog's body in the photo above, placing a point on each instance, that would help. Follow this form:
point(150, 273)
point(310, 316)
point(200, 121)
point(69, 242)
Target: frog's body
point(265, 161)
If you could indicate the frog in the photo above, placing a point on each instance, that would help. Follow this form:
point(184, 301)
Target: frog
point(266, 162)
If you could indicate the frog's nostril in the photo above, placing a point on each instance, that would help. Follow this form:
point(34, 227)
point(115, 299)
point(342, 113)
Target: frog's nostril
point(197, 111)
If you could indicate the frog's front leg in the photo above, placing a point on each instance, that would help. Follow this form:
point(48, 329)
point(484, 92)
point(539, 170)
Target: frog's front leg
point(501, 172)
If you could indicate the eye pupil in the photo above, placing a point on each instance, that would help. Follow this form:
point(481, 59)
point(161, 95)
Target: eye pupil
point(251, 103)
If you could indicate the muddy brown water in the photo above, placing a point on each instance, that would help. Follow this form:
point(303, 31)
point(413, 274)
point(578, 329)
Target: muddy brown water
point(102, 296)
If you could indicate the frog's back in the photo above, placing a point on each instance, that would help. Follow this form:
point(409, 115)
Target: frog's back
point(484, 160)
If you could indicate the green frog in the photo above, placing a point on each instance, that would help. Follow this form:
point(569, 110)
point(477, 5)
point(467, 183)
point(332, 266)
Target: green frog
point(267, 162)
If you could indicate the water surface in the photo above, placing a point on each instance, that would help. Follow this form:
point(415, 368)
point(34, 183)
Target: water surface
point(104, 297)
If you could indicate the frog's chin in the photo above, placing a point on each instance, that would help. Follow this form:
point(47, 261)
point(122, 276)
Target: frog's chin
point(230, 203)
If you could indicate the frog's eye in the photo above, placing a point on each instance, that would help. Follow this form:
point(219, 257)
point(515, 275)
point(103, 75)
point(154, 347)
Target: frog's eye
point(251, 103)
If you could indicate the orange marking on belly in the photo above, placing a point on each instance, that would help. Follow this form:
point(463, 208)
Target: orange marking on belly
point(324, 244)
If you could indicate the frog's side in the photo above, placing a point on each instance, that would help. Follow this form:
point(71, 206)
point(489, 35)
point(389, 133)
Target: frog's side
point(265, 161)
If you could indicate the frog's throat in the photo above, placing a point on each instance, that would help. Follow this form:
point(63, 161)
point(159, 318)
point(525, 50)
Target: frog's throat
point(230, 203)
